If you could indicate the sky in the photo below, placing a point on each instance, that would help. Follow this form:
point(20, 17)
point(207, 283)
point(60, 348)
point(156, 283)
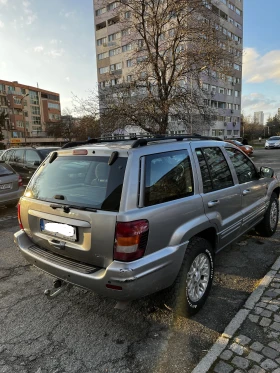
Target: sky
point(51, 43)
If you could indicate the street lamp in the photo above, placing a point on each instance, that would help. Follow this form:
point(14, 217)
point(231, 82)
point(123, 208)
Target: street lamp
point(24, 124)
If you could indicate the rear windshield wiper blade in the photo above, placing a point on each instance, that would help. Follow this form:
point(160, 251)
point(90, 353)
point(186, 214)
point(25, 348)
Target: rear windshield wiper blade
point(66, 208)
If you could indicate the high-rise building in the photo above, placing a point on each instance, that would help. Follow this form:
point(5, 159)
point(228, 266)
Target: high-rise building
point(259, 117)
point(114, 66)
point(27, 110)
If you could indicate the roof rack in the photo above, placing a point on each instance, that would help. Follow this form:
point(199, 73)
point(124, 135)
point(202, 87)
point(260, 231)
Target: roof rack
point(140, 140)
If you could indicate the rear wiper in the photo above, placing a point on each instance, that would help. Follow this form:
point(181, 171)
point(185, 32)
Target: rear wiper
point(66, 208)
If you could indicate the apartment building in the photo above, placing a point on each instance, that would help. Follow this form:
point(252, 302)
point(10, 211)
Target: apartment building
point(259, 117)
point(28, 110)
point(114, 65)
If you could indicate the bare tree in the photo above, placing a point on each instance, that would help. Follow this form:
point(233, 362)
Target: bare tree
point(171, 45)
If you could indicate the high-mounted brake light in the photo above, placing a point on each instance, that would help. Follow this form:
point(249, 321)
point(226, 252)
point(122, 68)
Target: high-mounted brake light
point(80, 152)
point(131, 240)
point(19, 218)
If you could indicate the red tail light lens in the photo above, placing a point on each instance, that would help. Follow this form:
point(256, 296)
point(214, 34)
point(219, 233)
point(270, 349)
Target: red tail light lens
point(131, 240)
point(20, 181)
point(19, 219)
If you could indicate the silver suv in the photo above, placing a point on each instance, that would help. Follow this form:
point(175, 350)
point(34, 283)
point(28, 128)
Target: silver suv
point(130, 218)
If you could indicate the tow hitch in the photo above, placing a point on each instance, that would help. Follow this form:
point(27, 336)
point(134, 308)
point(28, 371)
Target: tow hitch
point(59, 287)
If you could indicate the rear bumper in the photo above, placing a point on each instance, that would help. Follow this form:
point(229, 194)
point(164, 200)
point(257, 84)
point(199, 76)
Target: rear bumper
point(11, 197)
point(137, 279)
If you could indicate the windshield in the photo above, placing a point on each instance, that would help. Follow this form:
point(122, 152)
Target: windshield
point(81, 181)
point(45, 152)
point(274, 138)
point(5, 170)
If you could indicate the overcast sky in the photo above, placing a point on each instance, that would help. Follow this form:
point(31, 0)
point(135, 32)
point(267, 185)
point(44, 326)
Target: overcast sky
point(51, 42)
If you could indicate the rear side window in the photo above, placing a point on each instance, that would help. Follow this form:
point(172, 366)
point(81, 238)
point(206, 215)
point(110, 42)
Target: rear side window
point(5, 170)
point(214, 169)
point(45, 152)
point(244, 168)
point(31, 156)
point(81, 181)
point(168, 176)
point(6, 156)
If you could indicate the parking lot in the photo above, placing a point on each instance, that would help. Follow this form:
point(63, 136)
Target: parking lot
point(82, 332)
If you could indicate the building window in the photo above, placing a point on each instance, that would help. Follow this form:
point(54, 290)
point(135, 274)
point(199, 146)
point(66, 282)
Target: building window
point(115, 52)
point(35, 110)
point(101, 41)
point(128, 63)
point(231, 6)
point(236, 93)
point(127, 14)
point(236, 66)
point(238, 11)
point(129, 78)
point(221, 90)
point(17, 101)
point(116, 66)
point(205, 86)
point(53, 106)
point(224, 1)
point(101, 56)
point(229, 92)
point(101, 11)
point(127, 47)
point(112, 6)
point(103, 70)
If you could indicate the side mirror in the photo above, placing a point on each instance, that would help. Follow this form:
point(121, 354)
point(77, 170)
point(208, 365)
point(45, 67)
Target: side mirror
point(37, 163)
point(266, 172)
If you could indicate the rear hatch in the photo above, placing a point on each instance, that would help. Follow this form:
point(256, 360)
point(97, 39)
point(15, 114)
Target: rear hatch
point(71, 204)
point(9, 180)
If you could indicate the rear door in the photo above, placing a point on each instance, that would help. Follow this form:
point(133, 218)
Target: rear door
point(221, 197)
point(17, 162)
point(31, 162)
point(84, 231)
point(8, 180)
point(253, 188)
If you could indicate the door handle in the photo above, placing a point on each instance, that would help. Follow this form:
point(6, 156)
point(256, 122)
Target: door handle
point(213, 203)
point(246, 191)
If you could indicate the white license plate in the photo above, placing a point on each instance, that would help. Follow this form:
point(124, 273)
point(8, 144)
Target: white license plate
point(59, 230)
point(6, 186)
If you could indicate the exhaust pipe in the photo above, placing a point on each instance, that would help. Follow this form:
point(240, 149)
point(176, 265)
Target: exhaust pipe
point(59, 287)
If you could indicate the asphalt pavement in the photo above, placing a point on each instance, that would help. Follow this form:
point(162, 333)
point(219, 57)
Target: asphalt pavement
point(82, 332)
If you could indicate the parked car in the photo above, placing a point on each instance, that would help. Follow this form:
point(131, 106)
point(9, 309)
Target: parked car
point(26, 160)
point(1, 152)
point(272, 143)
point(247, 149)
point(130, 218)
point(11, 188)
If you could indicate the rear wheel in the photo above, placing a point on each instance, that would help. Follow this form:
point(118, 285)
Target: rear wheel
point(191, 288)
point(268, 225)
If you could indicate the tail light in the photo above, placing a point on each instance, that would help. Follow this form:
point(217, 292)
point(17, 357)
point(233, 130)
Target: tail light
point(19, 219)
point(131, 240)
point(20, 183)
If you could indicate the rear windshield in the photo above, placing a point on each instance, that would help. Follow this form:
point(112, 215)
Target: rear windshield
point(45, 152)
point(5, 169)
point(80, 180)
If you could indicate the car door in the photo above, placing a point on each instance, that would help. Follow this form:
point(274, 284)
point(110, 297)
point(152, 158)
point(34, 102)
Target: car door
point(32, 161)
point(17, 162)
point(253, 188)
point(221, 196)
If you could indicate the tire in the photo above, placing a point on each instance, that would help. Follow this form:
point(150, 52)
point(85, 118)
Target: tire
point(181, 296)
point(268, 225)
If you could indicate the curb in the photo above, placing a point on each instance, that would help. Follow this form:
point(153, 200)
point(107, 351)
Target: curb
point(207, 361)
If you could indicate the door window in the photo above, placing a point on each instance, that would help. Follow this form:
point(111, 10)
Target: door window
point(6, 156)
point(168, 176)
point(17, 156)
point(215, 171)
point(32, 156)
point(245, 169)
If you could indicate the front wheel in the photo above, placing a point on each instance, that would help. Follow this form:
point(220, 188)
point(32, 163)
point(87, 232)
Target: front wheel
point(192, 286)
point(268, 225)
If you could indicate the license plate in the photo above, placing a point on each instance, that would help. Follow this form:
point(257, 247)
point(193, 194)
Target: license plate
point(6, 186)
point(59, 230)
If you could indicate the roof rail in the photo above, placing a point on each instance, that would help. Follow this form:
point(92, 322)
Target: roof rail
point(145, 141)
point(140, 140)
